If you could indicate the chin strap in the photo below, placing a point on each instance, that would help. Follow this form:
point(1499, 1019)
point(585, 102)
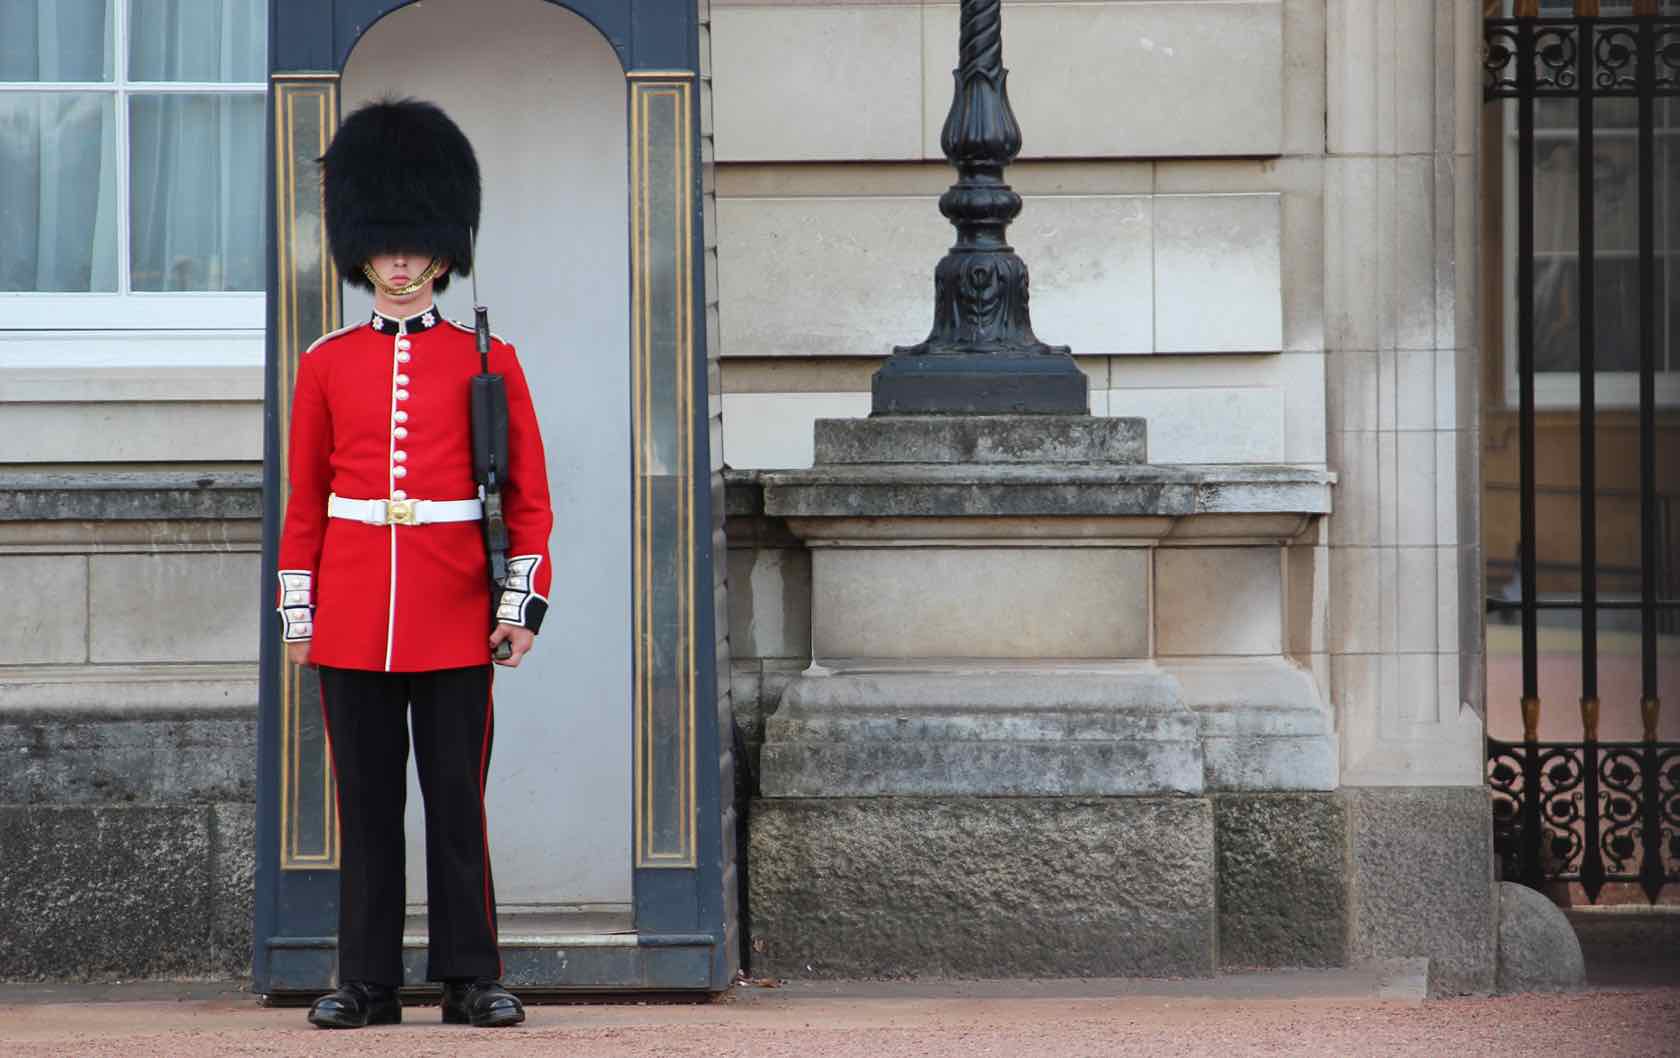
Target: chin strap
point(410, 287)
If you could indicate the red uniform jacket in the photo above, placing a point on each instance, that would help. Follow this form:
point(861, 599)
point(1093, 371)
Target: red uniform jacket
point(380, 412)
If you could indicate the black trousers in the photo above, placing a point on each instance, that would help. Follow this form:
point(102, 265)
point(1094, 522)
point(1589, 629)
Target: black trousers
point(368, 716)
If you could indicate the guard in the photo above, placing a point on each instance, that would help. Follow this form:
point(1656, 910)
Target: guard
point(384, 578)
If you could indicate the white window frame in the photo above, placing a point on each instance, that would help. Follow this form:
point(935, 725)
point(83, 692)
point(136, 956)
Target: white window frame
point(36, 322)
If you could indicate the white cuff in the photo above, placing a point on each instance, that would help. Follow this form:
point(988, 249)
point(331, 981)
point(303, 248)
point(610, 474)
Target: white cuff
point(519, 603)
point(297, 609)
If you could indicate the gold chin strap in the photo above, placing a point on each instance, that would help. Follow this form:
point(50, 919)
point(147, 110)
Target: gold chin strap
point(410, 287)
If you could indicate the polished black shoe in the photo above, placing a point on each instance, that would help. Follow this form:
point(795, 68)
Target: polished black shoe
point(355, 1005)
point(483, 1004)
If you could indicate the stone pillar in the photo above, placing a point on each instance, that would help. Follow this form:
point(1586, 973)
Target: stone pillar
point(1406, 582)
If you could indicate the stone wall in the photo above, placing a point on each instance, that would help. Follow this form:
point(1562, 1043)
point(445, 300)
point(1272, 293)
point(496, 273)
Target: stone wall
point(769, 613)
point(128, 704)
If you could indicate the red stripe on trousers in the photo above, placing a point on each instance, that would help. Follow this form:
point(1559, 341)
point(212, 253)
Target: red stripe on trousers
point(484, 818)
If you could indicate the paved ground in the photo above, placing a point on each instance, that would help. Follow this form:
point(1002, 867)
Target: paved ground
point(1305, 1015)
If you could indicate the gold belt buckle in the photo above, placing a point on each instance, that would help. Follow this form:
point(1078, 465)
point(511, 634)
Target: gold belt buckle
point(399, 512)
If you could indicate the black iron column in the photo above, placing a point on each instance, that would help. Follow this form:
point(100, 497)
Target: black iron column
point(1651, 873)
point(1533, 872)
point(1586, 257)
point(982, 357)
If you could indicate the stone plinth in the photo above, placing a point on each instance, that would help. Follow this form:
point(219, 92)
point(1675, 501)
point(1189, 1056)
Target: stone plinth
point(1000, 760)
point(986, 616)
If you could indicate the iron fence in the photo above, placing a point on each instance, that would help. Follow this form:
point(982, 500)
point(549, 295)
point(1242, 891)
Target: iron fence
point(1589, 811)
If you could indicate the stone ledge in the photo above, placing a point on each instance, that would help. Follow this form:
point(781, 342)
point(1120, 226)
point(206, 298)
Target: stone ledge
point(130, 496)
point(1263, 724)
point(865, 729)
point(982, 732)
point(922, 490)
point(123, 754)
point(743, 493)
point(157, 690)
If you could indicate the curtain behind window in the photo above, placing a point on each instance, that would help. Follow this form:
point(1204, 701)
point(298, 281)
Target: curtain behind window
point(58, 187)
point(195, 160)
point(195, 163)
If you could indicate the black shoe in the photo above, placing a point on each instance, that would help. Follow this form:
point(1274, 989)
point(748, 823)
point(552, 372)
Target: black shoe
point(482, 1003)
point(355, 1004)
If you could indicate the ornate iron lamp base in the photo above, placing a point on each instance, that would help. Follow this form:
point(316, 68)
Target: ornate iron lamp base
point(1047, 383)
point(981, 358)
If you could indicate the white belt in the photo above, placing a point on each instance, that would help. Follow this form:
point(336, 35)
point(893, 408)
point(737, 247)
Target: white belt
point(404, 512)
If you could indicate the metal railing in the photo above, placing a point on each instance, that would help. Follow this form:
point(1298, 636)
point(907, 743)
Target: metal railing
point(1588, 811)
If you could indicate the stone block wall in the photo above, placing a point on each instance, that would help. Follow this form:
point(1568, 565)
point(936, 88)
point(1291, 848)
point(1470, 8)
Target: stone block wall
point(128, 714)
point(769, 614)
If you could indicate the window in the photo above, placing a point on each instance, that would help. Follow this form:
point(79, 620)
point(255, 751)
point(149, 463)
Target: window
point(131, 164)
point(1557, 294)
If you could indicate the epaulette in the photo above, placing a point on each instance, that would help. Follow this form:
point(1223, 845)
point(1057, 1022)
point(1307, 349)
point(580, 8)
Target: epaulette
point(470, 329)
point(331, 335)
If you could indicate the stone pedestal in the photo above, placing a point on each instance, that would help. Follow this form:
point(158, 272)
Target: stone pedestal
point(1017, 622)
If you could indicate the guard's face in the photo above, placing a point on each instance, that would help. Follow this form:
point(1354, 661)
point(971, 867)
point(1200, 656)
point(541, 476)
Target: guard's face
point(399, 269)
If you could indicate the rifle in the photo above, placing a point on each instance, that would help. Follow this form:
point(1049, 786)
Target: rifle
point(489, 410)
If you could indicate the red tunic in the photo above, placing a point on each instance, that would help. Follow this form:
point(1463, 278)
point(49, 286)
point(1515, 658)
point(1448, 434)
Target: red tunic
point(380, 411)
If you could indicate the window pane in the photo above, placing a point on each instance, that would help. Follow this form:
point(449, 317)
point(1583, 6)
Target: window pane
point(196, 190)
point(55, 40)
point(1557, 320)
point(198, 40)
point(58, 191)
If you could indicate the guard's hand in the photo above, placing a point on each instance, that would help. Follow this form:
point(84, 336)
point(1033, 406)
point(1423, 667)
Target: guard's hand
point(521, 638)
point(298, 653)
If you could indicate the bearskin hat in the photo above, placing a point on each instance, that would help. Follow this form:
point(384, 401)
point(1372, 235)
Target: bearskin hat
point(400, 176)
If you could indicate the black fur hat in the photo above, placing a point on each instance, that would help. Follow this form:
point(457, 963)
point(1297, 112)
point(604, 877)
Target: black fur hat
point(400, 176)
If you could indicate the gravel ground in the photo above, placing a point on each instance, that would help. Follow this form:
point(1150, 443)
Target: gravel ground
point(879, 1022)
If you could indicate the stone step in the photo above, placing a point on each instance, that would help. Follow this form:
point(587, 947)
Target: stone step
point(981, 439)
point(983, 731)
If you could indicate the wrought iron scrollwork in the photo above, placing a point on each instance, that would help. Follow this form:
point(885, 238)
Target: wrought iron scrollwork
point(1620, 772)
point(1505, 783)
point(1616, 58)
point(1560, 794)
point(1555, 57)
point(1608, 54)
point(1667, 52)
point(1636, 813)
point(1499, 58)
point(1668, 798)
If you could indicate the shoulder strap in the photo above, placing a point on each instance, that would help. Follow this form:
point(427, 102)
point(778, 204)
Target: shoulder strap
point(331, 335)
point(458, 325)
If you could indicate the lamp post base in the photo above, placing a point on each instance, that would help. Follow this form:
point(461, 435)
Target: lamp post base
point(1048, 383)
